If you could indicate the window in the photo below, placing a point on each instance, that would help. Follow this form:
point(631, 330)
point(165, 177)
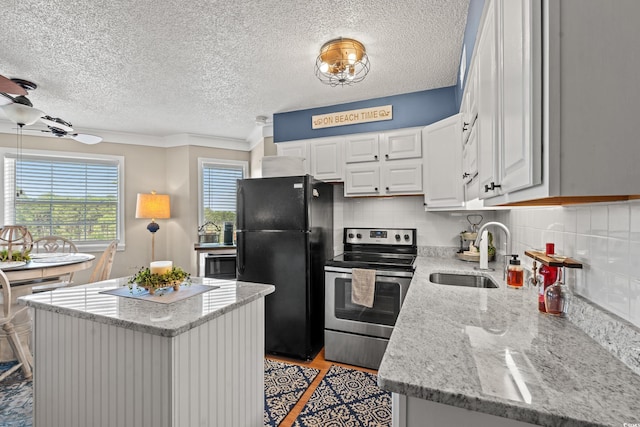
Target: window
point(74, 196)
point(218, 190)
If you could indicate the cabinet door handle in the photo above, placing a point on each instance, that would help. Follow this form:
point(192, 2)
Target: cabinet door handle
point(491, 187)
point(387, 188)
point(376, 189)
point(465, 126)
point(386, 156)
point(465, 175)
point(375, 157)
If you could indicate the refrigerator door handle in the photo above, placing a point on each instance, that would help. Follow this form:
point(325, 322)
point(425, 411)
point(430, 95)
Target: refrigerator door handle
point(240, 252)
point(240, 207)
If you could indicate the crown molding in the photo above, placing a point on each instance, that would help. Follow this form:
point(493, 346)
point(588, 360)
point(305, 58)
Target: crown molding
point(177, 140)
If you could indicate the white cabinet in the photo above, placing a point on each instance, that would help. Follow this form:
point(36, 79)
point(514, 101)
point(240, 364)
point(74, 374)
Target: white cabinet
point(385, 163)
point(402, 177)
point(509, 102)
point(402, 144)
point(443, 184)
point(487, 92)
point(325, 156)
point(549, 126)
point(469, 105)
point(470, 156)
point(295, 149)
point(362, 148)
point(519, 141)
point(370, 164)
point(361, 180)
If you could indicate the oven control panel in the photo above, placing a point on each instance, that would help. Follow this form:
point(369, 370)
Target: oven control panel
point(380, 236)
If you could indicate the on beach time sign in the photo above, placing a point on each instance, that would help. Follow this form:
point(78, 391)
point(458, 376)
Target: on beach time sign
point(352, 117)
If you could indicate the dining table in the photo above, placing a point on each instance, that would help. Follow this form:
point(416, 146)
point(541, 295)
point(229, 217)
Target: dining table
point(42, 269)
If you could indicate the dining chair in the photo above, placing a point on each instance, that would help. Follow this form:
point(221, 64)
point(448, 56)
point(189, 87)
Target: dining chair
point(102, 270)
point(54, 245)
point(14, 317)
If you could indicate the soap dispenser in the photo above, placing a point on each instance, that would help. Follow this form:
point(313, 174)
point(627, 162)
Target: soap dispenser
point(515, 275)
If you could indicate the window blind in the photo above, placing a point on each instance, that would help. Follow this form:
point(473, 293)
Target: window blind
point(219, 187)
point(76, 198)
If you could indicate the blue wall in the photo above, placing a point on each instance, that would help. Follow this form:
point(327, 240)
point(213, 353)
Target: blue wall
point(470, 32)
point(409, 109)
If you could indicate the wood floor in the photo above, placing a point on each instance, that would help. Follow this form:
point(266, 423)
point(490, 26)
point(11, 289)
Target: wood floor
point(323, 365)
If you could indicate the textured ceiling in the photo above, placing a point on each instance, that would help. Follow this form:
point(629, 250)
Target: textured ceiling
point(210, 67)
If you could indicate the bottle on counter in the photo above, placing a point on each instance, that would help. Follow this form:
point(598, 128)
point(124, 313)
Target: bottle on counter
point(556, 298)
point(515, 274)
point(547, 277)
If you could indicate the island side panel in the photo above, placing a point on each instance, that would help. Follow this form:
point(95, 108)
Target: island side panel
point(219, 370)
point(90, 373)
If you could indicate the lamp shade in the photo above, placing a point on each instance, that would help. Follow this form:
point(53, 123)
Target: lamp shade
point(22, 114)
point(153, 206)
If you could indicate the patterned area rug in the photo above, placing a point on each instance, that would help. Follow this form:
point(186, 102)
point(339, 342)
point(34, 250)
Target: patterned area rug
point(16, 400)
point(347, 397)
point(284, 384)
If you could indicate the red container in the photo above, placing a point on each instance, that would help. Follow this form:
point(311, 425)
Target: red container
point(550, 248)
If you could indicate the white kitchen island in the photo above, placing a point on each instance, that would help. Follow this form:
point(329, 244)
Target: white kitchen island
point(103, 360)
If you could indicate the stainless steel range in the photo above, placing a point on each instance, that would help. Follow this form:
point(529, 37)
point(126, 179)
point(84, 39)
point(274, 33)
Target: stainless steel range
point(356, 334)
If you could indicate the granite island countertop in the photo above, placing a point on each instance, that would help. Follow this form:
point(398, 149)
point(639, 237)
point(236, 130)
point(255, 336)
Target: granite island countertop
point(490, 350)
point(166, 320)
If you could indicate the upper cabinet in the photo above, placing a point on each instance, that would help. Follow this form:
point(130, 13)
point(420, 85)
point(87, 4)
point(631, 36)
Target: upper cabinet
point(488, 112)
point(325, 156)
point(370, 164)
point(551, 95)
point(363, 147)
point(402, 144)
point(295, 149)
point(520, 110)
point(442, 164)
point(386, 163)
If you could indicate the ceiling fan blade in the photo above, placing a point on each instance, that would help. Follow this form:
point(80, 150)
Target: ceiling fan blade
point(8, 86)
point(85, 138)
point(59, 123)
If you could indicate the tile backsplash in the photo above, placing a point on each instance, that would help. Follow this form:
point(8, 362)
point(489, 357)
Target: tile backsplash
point(434, 229)
point(604, 237)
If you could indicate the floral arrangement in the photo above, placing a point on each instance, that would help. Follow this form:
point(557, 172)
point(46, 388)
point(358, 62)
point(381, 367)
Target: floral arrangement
point(15, 256)
point(144, 278)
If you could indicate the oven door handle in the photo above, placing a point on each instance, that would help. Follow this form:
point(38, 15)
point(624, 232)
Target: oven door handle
point(337, 269)
point(379, 273)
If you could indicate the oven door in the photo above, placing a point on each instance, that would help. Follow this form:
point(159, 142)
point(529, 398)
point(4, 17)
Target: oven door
point(378, 321)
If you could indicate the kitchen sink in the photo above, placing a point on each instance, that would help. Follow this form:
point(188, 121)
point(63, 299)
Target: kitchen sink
point(468, 280)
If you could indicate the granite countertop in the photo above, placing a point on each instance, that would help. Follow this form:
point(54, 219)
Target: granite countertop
point(490, 350)
point(166, 320)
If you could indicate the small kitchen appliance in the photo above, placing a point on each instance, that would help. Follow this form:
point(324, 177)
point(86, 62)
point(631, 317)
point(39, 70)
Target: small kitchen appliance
point(356, 334)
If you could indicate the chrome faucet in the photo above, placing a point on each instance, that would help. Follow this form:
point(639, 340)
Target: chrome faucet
point(508, 236)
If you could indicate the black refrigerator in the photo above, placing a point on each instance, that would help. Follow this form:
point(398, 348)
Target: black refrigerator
point(284, 236)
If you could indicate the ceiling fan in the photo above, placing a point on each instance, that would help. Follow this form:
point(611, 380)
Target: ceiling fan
point(19, 110)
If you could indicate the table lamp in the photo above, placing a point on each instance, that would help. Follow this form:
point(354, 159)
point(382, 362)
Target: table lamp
point(153, 206)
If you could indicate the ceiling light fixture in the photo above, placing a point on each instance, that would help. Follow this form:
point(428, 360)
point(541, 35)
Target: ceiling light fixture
point(21, 111)
point(342, 62)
